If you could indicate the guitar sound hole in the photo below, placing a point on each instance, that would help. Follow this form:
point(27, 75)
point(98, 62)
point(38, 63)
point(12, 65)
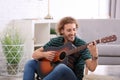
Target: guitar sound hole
point(62, 55)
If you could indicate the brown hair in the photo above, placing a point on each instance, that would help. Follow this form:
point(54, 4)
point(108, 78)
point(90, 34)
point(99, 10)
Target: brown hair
point(64, 21)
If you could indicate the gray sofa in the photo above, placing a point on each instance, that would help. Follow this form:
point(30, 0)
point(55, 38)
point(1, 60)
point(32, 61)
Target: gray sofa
point(93, 29)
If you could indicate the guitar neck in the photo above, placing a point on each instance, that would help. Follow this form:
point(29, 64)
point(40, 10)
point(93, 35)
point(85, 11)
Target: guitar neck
point(82, 47)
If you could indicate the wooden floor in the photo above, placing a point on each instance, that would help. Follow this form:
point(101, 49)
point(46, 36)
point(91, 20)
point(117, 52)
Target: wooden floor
point(110, 70)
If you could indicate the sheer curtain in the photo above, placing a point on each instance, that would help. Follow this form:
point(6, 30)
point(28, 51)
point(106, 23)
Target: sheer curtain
point(81, 9)
point(114, 9)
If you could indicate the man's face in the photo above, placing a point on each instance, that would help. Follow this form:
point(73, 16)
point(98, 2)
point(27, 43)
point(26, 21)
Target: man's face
point(69, 31)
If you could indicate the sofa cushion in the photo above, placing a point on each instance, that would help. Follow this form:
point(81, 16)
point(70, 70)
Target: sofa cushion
point(111, 50)
point(109, 60)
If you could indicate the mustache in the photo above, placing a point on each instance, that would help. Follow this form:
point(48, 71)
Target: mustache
point(72, 34)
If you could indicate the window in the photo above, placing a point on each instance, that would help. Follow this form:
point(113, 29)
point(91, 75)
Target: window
point(80, 9)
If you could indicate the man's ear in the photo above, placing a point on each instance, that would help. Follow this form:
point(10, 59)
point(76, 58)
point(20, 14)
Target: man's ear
point(62, 31)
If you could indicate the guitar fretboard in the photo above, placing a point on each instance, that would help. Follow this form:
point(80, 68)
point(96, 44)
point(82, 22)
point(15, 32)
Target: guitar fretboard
point(82, 47)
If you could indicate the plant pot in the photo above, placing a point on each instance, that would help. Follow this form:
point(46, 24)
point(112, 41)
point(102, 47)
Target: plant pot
point(13, 55)
point(12, 69)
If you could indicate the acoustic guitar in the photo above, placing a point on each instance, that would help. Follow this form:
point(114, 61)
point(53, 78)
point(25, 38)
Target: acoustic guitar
point(45, 66)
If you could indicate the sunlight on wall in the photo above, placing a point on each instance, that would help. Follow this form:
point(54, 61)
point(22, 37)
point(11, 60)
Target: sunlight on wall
point(79, 8)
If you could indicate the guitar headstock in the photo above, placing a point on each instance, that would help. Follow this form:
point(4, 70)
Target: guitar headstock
point(108, 39)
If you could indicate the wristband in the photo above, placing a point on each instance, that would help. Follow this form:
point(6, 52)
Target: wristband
point(94, 58)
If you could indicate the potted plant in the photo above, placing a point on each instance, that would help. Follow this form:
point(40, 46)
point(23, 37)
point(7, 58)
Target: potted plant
point(12, 45)
point(52, 33)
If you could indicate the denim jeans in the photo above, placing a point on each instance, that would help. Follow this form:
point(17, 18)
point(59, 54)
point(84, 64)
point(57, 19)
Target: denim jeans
point(60, 72)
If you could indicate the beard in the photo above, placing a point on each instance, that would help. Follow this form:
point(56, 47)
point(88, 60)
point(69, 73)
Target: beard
point(69, 38)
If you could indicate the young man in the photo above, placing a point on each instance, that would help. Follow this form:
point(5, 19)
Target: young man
point(67, 29)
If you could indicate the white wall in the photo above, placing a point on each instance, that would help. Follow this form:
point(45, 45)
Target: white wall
point(21, 9)
point(118, 9)
point(80, 9)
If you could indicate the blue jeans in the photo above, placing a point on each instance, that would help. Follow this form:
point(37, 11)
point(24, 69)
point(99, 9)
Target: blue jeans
point(60, 72)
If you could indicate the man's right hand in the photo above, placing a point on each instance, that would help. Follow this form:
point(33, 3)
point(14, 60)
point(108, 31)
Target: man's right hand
point(49, 55)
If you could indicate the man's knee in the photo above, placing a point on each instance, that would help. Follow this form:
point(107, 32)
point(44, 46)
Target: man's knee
point(62, 67)
point(30, 63)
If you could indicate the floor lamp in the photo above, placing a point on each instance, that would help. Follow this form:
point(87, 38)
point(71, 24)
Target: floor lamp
point(48, 15)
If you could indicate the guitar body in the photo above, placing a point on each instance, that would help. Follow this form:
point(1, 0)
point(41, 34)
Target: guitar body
point(46, 66)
